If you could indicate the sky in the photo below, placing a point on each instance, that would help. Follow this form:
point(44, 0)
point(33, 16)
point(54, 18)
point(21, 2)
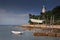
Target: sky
point(15, 12)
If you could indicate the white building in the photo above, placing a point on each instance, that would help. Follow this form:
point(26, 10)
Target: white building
point(43, 9)
point(37, 21)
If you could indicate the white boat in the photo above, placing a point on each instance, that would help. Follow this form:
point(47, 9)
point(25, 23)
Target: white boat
point(16, 32)
point(37, 21)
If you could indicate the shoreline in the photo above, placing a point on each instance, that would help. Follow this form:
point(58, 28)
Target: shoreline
point(29, 26)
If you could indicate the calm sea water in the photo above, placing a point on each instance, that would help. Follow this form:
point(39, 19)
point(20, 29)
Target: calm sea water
point(5, 34)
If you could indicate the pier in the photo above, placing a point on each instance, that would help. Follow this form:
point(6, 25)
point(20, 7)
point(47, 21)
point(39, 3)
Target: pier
point(46, 34)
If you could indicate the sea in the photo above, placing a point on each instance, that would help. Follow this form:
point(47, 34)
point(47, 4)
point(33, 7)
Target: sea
point(5, 34)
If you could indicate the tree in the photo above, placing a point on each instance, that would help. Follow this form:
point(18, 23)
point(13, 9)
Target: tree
point(56, 12)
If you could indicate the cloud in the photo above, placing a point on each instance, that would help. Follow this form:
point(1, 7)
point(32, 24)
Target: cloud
point(10, 18)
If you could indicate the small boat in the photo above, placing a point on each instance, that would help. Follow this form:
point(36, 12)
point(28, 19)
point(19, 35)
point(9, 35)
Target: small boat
point(16, 32)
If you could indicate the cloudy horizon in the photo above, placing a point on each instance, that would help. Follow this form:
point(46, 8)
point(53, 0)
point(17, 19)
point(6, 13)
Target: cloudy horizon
point(10, 18)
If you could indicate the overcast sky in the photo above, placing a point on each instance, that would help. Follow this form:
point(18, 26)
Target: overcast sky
point(15, 12)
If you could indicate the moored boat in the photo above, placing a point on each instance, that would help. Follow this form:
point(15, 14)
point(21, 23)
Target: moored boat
point(16, 32)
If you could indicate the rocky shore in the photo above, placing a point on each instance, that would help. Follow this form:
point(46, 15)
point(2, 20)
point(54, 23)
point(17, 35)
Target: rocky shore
point(55, 28)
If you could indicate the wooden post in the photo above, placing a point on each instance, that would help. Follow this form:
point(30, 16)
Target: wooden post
point(52, 22)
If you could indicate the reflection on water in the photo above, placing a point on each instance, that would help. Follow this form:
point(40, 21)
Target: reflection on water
point(5, 34)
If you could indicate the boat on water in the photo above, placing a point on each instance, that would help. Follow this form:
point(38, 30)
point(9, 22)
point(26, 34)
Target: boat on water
point(16, 32)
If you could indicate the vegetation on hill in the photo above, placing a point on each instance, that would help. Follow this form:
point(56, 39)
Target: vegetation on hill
point(55, 12)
